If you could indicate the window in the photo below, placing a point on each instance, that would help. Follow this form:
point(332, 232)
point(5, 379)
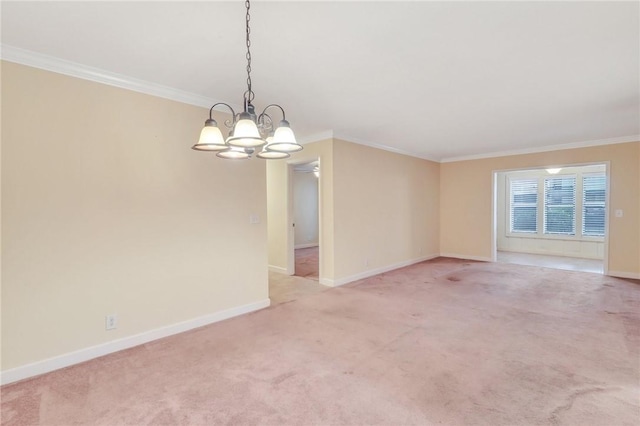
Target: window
point(560, 205)
point(594, 189)
point(567, 206)
point(524, 205)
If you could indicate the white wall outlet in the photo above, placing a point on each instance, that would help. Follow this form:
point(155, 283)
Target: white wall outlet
point(366, 262)
point(111, 322)
point(619, 213)
point(253, 219)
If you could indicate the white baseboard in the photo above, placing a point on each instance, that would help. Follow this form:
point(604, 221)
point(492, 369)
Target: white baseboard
point(467, 257)
point(327, 282)
point(551, 253)
point(278, 269)
point(86, 354)
point(372, 272)
point(301, 246)
point(620, 274)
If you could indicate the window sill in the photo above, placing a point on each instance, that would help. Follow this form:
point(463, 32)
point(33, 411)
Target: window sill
point(552, 237)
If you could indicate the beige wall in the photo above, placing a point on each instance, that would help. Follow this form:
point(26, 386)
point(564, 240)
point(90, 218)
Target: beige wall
point(107, 210)
point(466, 200)
point(378, 209)
point(305, 206)
point(386, 208)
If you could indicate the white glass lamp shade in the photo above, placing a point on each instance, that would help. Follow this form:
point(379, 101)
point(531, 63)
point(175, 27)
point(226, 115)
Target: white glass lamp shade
point(245, 133)
point(233, 153)
point(284, 140)
point(211, 138)
point(267, 154)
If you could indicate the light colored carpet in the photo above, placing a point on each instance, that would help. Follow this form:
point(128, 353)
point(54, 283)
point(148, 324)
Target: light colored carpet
point(443, 342)
point(285, 288)
point(307, 263)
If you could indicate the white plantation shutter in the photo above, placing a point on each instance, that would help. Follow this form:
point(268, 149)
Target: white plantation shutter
point(524, 205)
point(560, 205)
point(594, 188)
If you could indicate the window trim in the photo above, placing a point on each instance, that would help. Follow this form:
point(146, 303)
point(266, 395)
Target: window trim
point(604, 203)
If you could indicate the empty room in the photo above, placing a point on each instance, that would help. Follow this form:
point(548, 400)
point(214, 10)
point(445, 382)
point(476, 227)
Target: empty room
point(320, 213)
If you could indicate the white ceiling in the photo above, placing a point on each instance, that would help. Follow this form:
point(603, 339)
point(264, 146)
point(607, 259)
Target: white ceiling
point(434, 79)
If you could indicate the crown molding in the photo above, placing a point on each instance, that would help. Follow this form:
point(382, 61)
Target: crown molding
point(85, 72)
point(573, 145)
point(359, 141)
point(316, 137)
point(330, 134)
point(74, 69)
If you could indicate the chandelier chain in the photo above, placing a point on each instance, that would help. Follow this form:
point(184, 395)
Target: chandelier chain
point(250, 94)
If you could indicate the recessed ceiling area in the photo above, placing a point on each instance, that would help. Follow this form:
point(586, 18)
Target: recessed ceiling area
point(437, 80)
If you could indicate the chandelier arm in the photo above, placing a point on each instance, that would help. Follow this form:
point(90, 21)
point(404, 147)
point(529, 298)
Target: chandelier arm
point(228, 123)
point(264, 111)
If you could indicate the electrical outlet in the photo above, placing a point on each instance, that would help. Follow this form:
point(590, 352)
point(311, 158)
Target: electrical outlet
point(253, 219)
point(111, 322)
point(366, 262)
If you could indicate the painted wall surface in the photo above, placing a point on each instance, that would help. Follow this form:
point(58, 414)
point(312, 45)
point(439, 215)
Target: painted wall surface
point(276, 215)
point(386, 208)
point(279, 189)
point(305, 209)
point(466, 200)
point(107, 210)
point(555, 245)
point(378, 209)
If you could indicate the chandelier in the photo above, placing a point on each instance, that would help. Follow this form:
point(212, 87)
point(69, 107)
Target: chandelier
point(249, 131)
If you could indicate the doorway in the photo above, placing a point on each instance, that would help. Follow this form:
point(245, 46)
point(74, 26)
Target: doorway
point(305, 219)
point(555, 217)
